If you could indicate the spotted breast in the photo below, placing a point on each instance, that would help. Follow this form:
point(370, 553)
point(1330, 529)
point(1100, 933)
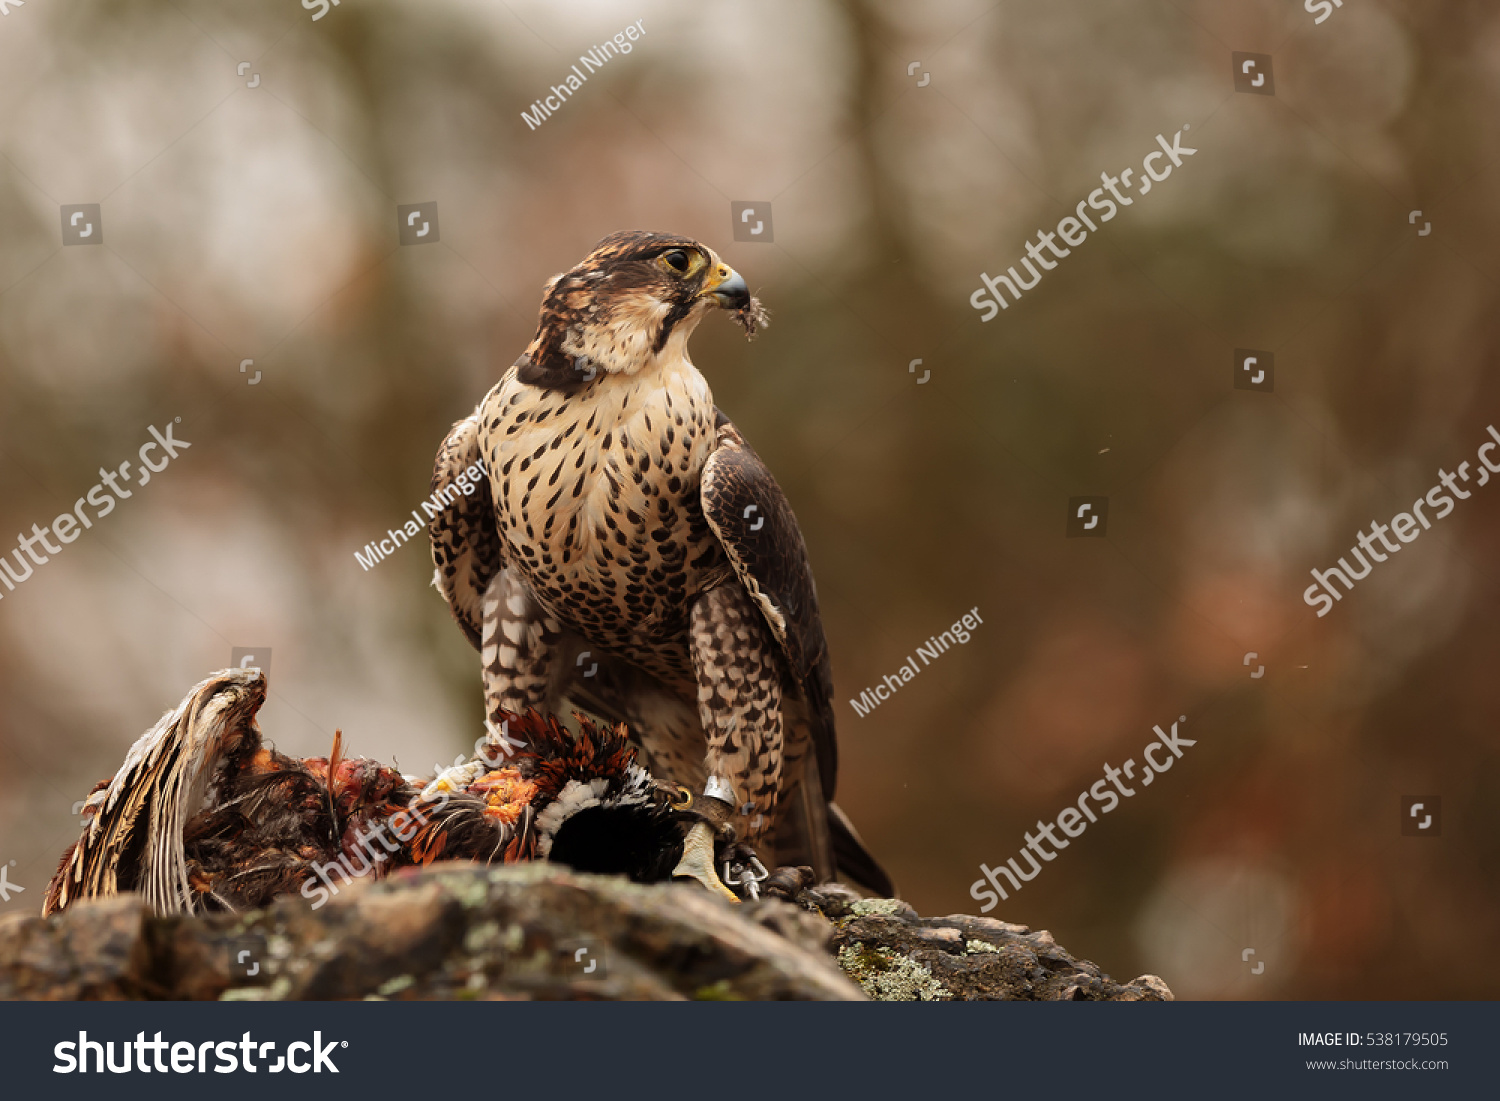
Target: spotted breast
point(598, 505)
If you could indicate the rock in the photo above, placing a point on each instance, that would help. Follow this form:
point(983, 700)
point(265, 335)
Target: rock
point(540, 931)
point(452, 931)
point(96, 955)
point(896, 955)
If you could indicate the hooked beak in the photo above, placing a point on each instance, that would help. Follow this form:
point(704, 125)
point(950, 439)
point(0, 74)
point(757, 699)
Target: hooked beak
point(727, 288)
point(730, 290)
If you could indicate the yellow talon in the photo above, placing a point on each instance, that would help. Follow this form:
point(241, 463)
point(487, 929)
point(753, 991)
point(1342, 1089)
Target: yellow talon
point(698, 861)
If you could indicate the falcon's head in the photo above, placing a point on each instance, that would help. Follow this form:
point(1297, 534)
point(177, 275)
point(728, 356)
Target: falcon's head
point(634, 297)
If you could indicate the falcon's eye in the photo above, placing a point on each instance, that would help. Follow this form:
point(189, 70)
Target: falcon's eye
point(677, 260)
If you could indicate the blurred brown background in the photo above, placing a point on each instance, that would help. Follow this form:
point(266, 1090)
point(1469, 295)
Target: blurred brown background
point(260, 223)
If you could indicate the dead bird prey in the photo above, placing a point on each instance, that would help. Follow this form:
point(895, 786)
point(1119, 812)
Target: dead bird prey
point(204, 816)
point(632, 555)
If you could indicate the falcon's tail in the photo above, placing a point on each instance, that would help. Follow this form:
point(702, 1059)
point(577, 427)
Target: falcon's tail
point(802, 836)
point(812, 830)
point(854, 860)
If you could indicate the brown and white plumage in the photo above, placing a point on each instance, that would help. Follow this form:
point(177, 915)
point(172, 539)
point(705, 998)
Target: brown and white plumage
point(136, 820)
point(633, 555)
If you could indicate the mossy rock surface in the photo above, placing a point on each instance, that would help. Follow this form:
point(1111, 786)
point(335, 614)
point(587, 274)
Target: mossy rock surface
point(540, 931)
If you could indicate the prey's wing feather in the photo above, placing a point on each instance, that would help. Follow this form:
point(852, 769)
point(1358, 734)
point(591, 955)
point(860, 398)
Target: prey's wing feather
point(754, 523)
point(134, 841)
point(466, 547)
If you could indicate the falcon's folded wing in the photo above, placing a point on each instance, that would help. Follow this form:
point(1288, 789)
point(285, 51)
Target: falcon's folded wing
point(465, 544)
point(754, 523)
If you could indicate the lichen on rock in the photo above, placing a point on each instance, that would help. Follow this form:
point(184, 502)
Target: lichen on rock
point(887, 977)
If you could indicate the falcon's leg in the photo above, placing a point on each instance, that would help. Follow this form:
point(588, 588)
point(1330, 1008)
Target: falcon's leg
point(739, 704)
point(519, 643)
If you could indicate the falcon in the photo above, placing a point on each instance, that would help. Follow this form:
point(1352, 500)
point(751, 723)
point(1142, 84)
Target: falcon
point(631, 556)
